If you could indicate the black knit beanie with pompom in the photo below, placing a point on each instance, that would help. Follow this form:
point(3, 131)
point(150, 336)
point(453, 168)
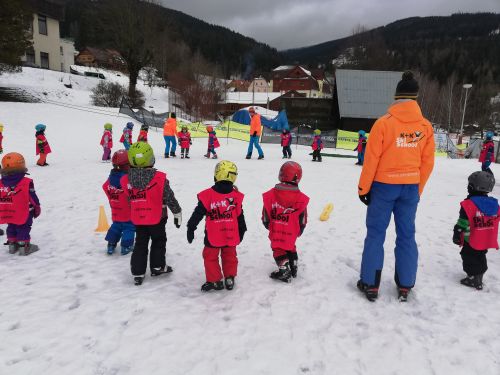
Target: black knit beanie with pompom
point(407, 88)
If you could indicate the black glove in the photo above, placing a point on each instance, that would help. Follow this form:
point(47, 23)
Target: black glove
point(458, 235)
point(365, 198)
point(254, 134)
point(190, 235)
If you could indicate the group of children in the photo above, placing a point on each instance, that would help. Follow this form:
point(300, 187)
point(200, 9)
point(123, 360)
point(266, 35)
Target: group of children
point(126, 138)
point(139, 196)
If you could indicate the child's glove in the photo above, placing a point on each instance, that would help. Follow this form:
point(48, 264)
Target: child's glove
point(190, 142)
point(178, 219)
point(37, 211)
point(365, 198)
point(190, 235)
point(458, 235)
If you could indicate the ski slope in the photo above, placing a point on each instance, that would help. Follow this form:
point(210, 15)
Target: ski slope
point(71, 309)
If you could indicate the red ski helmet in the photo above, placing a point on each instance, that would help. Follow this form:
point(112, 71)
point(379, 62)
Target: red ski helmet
point(120, 160)
point(290, 172)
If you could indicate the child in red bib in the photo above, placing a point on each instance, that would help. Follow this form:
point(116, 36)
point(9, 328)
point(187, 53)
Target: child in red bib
point(122, 228)
point(19, 203)
point(224, 227)
point(107, 142)
point(477, 227)
point(143, 134)
point(285, 216)
point(213, 143)
point(149, 194)
point(184, 142)
point(42, 146)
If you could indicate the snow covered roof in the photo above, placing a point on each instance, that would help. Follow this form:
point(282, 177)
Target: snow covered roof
point(250, 97)
point(284, 67)
point(364, 93)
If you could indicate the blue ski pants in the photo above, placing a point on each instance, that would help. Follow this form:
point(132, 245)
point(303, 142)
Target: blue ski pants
point(254, 140)
point(170, 139)
point(386, 199)
point(124, 230)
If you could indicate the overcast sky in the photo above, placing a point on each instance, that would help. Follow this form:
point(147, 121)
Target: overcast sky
point(299, 23)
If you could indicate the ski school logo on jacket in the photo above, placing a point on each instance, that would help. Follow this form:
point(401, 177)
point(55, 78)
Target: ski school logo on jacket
point(222, 209)
point(482, 221)
point(409, 140)
point(280, 213)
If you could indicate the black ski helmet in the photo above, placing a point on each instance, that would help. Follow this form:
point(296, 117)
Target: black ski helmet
point(482, 182)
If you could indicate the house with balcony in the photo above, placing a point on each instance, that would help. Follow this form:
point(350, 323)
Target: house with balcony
point(312, 83)
point(49, 51)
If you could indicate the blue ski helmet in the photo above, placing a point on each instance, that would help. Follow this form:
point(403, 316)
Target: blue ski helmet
point(40, 127)
point(362, 133)
point(130, 125)
point(489, 134)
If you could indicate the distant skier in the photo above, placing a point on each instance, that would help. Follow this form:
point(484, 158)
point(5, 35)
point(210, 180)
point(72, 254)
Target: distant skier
point(107, 142)
point(42, 146)
point(122, 228)
point(143, 134)
point(170, 135)
point(225, 226)
point(184, 142)
point(477, 227)
point(126, 138)
point(487, 155)
point(317, 145)
point(255, 133)
point(213, 143)
point(150, 194)
point(286, 142)
point(20, 204)
point(285, 216)
point(361, 147)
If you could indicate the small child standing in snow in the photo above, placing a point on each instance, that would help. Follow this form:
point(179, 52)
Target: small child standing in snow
point(285, 216)
point(107, 142)
point(225, 226)
point(317, 145)
point(213, 143)
point(42, 146)
point(477, 228)
point(20, 204)
point(1, 138)
point(487, 155)
point(122, 228)
point(361, 147)
point(184, 142)
point(143, 134)
point(126, 138)
point(149, 193)
point(286, 142)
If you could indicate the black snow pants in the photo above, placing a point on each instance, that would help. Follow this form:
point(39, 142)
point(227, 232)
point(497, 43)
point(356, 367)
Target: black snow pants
point(158, 236)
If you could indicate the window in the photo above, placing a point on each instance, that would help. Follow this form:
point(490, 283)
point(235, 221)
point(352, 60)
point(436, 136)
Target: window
point(42, 25)
point(44, 60)
point(30, 57)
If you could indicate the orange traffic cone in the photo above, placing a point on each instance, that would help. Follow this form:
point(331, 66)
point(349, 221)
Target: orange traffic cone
point(102, 224)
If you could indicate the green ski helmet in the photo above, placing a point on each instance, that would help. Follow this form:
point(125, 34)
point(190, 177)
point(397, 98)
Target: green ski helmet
point(108, 126)
point(141, 155)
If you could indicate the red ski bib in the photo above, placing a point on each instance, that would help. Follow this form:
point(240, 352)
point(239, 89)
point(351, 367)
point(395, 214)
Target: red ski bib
point(221, 222)
point(484, 152)
point(284, 227)
point(15, 203)
point(483, 229)
point(146, 204)
point(118, 200)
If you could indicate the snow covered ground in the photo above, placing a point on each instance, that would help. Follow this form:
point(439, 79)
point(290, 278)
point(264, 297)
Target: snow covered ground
point(71, 309)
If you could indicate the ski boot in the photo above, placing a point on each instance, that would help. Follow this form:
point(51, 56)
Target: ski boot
point(403, 294)
point(13, 247)
point(26, 248)
point(111, 248)
point(161, 270)
point(207, 155)
point(294, 268)
point(126, 249)
point(172, 154)
point(282, 274)
point(229, 282)
point(138, 279)
point(166, 156)
point(260, 157)
point(215, 156)
point(182, 155)
point(249, 156)
point(208, 286)
point(475, 281)
point(371, 292)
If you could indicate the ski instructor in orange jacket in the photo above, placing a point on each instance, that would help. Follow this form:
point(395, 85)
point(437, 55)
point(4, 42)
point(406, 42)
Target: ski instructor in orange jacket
point(398, 162)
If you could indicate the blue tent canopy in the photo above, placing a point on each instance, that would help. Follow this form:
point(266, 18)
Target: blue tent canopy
point(280, 122)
